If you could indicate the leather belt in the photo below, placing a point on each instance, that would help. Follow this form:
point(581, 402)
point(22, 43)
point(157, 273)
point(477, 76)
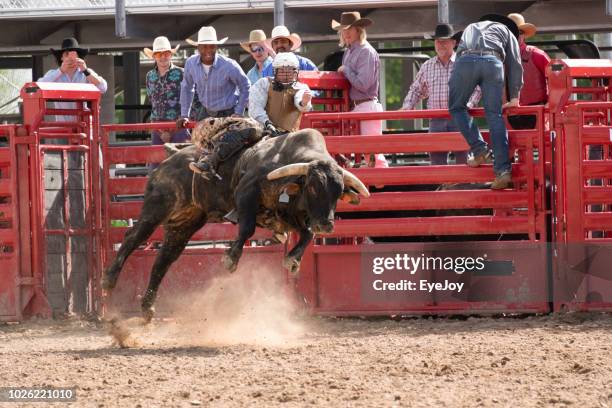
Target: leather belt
point(482, 52)
point(218, 114)
point(356, 102)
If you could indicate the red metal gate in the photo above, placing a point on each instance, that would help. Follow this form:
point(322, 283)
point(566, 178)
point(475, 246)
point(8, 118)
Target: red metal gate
point(581, 112)
point(572, 224)
point(333, 273)
point(58, 158)
point(11, 278)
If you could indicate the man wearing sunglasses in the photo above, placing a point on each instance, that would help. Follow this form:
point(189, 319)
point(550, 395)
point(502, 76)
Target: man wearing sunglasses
point(256, 47)
point(164, 91)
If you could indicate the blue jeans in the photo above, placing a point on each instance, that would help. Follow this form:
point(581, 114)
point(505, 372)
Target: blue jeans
point(488, 72)
point(440, 158)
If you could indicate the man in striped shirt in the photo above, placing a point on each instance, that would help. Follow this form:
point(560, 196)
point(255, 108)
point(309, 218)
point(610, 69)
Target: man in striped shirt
point(431, 82)
point(221, 85)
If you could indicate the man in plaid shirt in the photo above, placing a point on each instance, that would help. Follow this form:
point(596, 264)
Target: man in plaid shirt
point(432, 83)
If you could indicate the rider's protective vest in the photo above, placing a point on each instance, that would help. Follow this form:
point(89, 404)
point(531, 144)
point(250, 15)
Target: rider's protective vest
point(281, 108)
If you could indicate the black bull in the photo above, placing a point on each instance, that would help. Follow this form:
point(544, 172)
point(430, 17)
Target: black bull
point(289, 183)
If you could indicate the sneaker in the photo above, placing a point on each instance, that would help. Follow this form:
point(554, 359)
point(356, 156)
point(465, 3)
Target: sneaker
point(483, 158)
point(502, 181)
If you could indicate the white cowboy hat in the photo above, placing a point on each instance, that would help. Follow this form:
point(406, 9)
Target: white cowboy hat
point(207, 35)
point(527, 28)
point(255, 37)
point(283, 32)
point(160, 44)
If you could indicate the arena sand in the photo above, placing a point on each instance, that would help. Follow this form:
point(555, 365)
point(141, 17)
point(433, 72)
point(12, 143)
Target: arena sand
point(241, 343)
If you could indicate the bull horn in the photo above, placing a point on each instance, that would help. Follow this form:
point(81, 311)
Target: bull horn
point(295, 169)
point(352, 181)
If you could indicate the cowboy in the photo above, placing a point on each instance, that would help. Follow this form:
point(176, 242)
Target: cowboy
point(219, 139)
point(534, 60)
point(283, 41)
point(72, 69)
point(220, 83)
point(163, 85)
point(431, 82)
point(72, 66)
point(484, 49)
point(361, 66)
point(258, 49)
point(278, 103)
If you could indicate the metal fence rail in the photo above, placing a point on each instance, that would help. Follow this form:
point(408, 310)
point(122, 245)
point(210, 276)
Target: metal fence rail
point(62, 8)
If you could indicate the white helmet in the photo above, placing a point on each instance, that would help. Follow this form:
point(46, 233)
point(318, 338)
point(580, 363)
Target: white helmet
point(285, 59)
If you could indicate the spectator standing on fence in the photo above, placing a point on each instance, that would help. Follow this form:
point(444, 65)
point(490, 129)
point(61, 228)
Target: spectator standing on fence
point(534, 60)
point(484, 49)
point(258, 49)
point(283, 41)
point(278, 103)
point(163, 85)
point(221, 85)
point(431, 82)
point(72, 68)
point(361, 66)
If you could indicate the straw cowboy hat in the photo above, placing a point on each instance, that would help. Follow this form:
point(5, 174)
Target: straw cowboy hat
point(498, 18)
point(69, 44)
point(283, 32)
point(207, 36)
point(350, 19)
point(160, 44)
point(255, 37)
point(527, 28)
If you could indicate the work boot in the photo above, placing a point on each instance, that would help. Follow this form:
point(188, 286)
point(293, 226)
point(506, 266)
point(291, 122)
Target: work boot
point(482, 158)
point(504, 180)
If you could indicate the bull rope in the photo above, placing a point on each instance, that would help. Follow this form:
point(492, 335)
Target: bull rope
point(193, 200)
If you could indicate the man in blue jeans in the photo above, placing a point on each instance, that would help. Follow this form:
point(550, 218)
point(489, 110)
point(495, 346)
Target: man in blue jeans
point(484, 49)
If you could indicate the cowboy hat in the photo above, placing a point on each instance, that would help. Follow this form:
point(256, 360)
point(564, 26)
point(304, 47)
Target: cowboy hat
point(443, 32)
point(206, 35)
point(527, 28)
point(69, 44)
point(498, 18)
point(255, 37)
point(160, 44)
point(350, 19)
point(283, 32)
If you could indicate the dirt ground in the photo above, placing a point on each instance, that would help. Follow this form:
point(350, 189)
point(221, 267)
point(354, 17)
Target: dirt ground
point(255, 351)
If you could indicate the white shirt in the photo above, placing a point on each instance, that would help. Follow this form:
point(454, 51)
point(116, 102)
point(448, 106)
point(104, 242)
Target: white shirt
point(258, 98)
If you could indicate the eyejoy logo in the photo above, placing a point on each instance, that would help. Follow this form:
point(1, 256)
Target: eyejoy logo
point(411, 264)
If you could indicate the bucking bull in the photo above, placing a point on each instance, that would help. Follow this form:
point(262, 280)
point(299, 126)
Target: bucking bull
point(287, 183)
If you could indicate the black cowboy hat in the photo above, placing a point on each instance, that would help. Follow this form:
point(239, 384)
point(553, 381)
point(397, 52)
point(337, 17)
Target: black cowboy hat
point(498, 18)
point(457, 36)
point(443, 31)
point(69, 44)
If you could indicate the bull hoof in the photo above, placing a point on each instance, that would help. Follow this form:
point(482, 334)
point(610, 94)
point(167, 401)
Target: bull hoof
point(107, 283)
point(147, 315)
point(292, 265)
point(229, 264)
